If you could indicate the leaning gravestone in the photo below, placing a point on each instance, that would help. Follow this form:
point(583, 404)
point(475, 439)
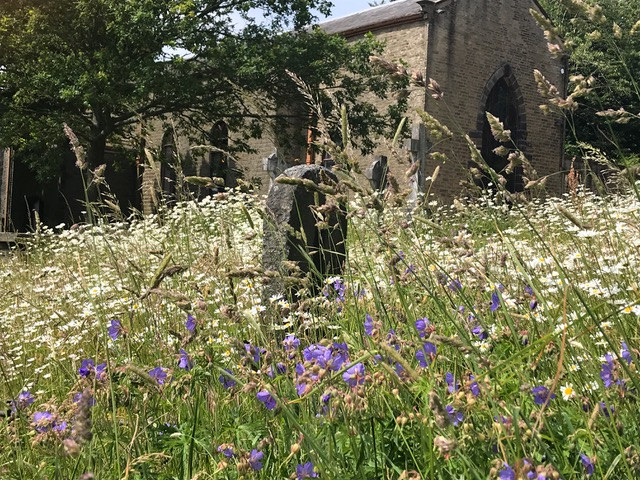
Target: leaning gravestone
point(291, 232)
point(377, 173)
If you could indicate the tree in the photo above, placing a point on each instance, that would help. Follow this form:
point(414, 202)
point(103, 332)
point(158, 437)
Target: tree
point(603, 41)
point(105, 66)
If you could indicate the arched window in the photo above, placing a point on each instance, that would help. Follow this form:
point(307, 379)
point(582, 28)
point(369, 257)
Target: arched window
point(220, 165)
point(504, 103)
point(168, 165)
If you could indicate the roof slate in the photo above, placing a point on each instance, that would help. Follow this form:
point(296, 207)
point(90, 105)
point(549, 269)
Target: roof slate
point(389, 13)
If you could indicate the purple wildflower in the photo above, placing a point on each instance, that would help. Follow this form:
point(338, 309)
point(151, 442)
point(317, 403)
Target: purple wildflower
point(355, 375)
point(86, 367)
point(426, 354)
point(421, 326)
point(541, 395)
point(495, 301)
point(279, 369)
point(305, 470)
point(290, 343)
point(191, 323)
point(455, 285)
point(453, 387)
point(339, 356)
point(226, 449)
point(475, 388)
point(528, 290)
point(184, 361)
point(607, 374)
point(507, 473)
point(626, 354)
point(318, 354)
point(266, 398)
point(159, 375)
point(479, 332)
point(115, 329)
point(368, 324)
point(25, 398)
point(607, 410)
point(226, 380)
point(253, 352)
point(588, 465)
point(455, 417)
point(255, 459)
point(42, 421)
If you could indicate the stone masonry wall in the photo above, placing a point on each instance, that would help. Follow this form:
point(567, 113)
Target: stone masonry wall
point(472, 40)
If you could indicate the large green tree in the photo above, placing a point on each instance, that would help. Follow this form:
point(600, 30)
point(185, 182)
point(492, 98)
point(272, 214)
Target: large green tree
point(602, 40)
point(105, 66)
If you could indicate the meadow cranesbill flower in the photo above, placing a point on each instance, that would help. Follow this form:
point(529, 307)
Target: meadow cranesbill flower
point(495, 301)
point(607, 374)
point(455, 285)
point(588, 465)
point(421, 325)
point(226, 381)
point(339, 355)
point(25, 398)
point(265, 397)
point(474, 387)
point(305, 470)
point(87, 367)
point(318, 354)
point(626, 354)
point(354, 375)
point(290, 343)
point(184, 361)
point(255, 459)
point(507, 473)
point(541, 395)
point(455, 417)
point(159, 375)
point(426, 354)
point(226, 449)
point(480, 332)
point(115, 329)
point(42, 421)
point(451, 382)
point(191, 323)
point(254, 352)
point(368, 324)
point(607, 411)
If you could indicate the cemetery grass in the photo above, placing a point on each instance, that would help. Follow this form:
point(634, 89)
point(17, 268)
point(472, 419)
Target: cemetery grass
point(478, 342)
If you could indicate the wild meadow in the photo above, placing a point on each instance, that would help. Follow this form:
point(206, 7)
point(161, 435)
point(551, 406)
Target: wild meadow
point(493, 338)
point(484, 341)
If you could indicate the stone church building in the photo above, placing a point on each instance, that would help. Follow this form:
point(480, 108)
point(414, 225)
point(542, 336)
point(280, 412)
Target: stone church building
point(481, 52)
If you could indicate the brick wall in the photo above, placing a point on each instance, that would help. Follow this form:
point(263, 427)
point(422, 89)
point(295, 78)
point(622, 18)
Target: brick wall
point(472, 43)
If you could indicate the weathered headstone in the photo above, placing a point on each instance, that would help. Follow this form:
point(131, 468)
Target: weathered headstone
point(377, 173)
point(417, 146)
point(291, 232)
point(274, 166)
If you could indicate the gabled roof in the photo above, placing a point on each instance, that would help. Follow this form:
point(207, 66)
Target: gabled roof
point(400, 11)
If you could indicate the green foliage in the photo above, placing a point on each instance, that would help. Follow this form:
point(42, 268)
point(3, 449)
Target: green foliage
point(603, 40)
point(105, 66)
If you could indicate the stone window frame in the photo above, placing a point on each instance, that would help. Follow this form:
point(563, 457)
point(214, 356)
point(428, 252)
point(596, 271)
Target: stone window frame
point(505, 72)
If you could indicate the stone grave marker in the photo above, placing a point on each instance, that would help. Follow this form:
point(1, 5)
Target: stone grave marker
point(291, 233)
point(417, 146)
point(377, 173)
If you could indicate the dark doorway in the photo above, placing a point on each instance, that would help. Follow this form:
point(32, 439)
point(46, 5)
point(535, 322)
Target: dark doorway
point(502, 103)
point(220, 165)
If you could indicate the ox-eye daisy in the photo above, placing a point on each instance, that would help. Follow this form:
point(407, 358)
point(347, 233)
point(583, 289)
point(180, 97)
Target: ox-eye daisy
point(568, 391)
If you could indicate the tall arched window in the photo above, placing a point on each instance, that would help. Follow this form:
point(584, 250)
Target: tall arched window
point(220, 165)
point(168, 165)
point(502, 102)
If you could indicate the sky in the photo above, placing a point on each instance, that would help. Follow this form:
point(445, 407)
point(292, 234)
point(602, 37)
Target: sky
point(345, 7)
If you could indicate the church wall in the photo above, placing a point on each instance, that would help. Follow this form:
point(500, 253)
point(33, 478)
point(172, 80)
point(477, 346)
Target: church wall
point(472, 40)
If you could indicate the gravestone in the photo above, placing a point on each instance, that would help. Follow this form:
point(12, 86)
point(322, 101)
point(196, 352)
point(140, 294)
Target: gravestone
point(291, 232)
point(377, 173)
point(274, 166)
point(417, 146)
